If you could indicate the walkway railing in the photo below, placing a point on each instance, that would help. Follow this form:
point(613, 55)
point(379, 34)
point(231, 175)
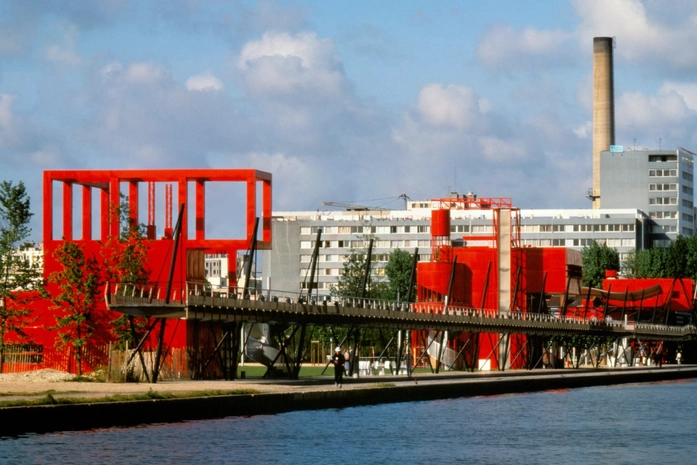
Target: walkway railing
point(181, 296)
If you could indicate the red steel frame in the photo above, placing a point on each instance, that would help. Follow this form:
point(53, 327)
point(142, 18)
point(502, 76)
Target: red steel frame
point(109, 182)
point(192, 247)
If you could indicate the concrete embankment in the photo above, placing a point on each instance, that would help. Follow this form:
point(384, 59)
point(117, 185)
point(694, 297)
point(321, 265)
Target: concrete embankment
point(316, 393)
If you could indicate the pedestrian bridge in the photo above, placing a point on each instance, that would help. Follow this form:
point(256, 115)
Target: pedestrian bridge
point(195, 301)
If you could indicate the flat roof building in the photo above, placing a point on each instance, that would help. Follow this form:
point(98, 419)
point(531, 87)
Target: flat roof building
point(658, 182)
point(286, 265)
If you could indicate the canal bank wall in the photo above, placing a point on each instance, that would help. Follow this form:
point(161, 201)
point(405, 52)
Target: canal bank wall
point(63, 417)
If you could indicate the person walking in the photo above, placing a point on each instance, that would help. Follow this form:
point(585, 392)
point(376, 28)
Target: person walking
point(338, 361)
point(347, 363)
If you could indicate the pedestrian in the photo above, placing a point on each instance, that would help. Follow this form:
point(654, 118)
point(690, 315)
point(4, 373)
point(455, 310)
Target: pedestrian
point(338, 361)
point(347, 363)
point(678, 357)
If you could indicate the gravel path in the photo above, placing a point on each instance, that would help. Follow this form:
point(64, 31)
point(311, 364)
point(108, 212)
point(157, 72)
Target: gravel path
point(22, 385)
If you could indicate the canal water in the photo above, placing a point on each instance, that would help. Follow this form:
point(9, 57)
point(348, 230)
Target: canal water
point(627, 424)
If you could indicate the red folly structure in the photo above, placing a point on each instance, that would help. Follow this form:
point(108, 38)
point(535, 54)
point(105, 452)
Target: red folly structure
point(493, 276)
point(78, 206)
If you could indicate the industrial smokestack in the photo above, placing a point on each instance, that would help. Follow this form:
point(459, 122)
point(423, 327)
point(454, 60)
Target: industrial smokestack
point(603, 107)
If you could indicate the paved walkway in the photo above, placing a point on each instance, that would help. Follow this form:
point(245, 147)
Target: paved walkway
point(27, 389)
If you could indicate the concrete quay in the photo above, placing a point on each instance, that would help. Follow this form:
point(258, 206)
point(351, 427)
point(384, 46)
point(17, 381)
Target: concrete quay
point(277, 396)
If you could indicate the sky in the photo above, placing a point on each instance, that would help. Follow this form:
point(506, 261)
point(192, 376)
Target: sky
point(350, 102)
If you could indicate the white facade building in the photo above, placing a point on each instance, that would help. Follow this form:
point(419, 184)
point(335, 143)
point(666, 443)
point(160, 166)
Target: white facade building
point(286, 266)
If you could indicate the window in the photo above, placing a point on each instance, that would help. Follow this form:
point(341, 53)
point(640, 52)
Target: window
point(305, 230)
point(424, 243)
point(614, 227)
point(663, 200)
point(393, 229)
point(382, 244)
point(662, 158)
point(305, 244)
point(660, 243)
point(583, 242)
point(558, 242)
point(663, 173)
point(383, 229)
point(628, 242)
point(687, 203)
point(406, 229)
point(545, 228)
point(344, 230)
point(668, 186)
point(422, 229)
point(687, 176)
point(663, 215)
point(356, 229)
point(628, 228)
point(687, 231)
point(614, 242)
point(687, 190)
point(688, 218)
point(305, 259)
point(396, 244)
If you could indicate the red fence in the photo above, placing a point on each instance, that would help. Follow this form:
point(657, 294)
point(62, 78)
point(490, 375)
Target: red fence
point(23, 358)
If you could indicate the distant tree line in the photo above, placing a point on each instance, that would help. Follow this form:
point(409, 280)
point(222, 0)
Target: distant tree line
point(678, 260)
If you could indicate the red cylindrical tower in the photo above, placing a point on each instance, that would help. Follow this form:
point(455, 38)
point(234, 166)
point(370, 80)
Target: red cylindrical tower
point(441, 251)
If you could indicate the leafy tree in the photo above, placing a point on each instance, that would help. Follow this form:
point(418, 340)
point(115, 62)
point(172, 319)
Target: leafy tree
point(125, 261)
point(651, 263)
point(77, 301)
point(17, 274)
point(596, 260)
point(678, 260)
point(398, 270)
point(350, 283)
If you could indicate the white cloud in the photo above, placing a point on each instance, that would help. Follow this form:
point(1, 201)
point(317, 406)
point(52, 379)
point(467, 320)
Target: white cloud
point(451, 106)
point(509, 48)
point(643, 35)
point(501, 151)
point(686, 90)
point(65, 52)
point(140, 72)
point(204, 83)
point(8, 121)
point(143, 72)
point(648, 112)
point(281, 64)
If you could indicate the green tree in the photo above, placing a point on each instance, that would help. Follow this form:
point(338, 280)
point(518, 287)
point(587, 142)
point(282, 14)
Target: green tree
point(398, 270)
point(18, 275)
point(352, 279)
point(77, 301)
point(125, 261)
point(596, 260)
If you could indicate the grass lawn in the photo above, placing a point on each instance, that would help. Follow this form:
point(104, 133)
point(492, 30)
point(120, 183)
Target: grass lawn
point(258, 371)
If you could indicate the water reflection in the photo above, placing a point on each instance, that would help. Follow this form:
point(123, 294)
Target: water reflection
point(646, 423)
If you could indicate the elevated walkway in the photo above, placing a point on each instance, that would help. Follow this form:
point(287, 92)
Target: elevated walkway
point(203, 303)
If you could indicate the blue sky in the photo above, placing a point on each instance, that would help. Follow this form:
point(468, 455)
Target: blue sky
point(342, 101)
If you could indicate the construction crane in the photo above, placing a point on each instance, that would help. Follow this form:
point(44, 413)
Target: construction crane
point(363, 208)
point(352, 207)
